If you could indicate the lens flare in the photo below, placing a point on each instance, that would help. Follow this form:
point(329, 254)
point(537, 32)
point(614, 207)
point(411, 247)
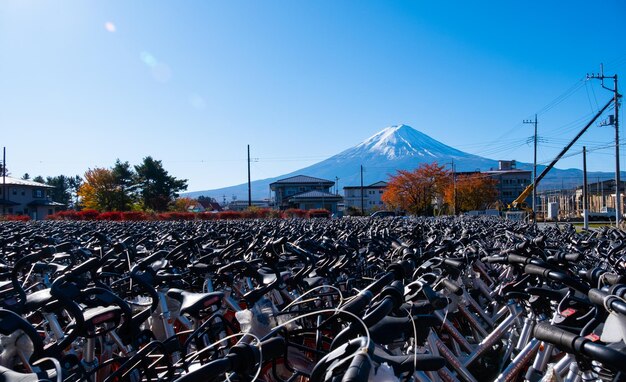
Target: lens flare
point(148, 59)
point(109, 26)
point(160, 71)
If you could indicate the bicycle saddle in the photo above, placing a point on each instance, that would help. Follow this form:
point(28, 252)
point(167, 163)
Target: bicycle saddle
point(192, 303)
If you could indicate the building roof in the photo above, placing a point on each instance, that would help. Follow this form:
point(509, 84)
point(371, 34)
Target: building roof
point(196, 207)
point(10, 181)
point(315, 194)
point(245, 202)
point(604, 183)
point(513, 171)
point(44, 202)
point(214, 206)
point(299, 179)
point(380, 184)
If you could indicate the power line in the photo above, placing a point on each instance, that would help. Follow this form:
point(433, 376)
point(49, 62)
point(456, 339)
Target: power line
point(565, 95)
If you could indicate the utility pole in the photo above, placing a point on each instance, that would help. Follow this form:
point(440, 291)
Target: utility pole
point(249, 185)
point(598, 191)
point(362, 196)
point(534, 161)
point(453, 189)
point(615, 122)
point(585, 196)
point(4, 181)
point(337, 185)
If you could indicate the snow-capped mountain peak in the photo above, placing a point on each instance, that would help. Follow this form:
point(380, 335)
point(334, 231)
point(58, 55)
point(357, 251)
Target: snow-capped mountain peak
point(403, 141)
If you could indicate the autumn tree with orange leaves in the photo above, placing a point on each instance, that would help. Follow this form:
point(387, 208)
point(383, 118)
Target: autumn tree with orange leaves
point(100, 190)
point(418, 190)
point(473, 192)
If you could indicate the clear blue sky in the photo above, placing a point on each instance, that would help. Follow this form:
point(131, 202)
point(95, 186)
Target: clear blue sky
point(193, 82)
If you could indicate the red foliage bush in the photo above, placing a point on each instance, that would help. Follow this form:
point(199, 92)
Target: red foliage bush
point(15, 218)
point(110, 216)
point(318, 213)
point(64, 215)
point(266, 213)
point(164, 216)
point(53, 217)
point(250, 214)
point(135, 216)
point(257, 213)
point(170, 216)
point(229, 215)
point(207, 216)
point(88, 215)
point(294, 213)
point(274, 214)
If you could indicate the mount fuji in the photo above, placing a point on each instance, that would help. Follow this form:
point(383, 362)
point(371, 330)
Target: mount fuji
point(401, 146)
point(394, 148)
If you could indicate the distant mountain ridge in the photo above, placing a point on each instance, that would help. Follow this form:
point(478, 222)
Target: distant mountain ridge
point(399, 147)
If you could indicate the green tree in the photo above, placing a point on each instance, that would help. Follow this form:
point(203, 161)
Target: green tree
point(156, 188)
point(75, 184)
point(61, 192)
point(65, 189)
point(26, 176)
point(39, 179)
point(123, 176)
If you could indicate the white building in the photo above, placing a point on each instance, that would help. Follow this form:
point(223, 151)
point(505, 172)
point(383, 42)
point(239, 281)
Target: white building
point(371, 200)
point(25, 197)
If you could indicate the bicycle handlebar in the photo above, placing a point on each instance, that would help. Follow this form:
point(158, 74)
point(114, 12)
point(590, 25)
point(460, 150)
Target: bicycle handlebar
point(359, 369)
point(437, 301)
point(537, 270)
point(575, 344)
point(598, 297)
point(241, 359)
point(379, 284)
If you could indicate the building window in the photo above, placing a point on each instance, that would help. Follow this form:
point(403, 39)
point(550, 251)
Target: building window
point(23, 192)
point(38, 193)
point(380, 192)
point(15, 191)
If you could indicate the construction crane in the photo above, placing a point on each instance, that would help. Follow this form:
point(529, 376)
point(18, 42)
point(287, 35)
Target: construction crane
point(519, 204)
